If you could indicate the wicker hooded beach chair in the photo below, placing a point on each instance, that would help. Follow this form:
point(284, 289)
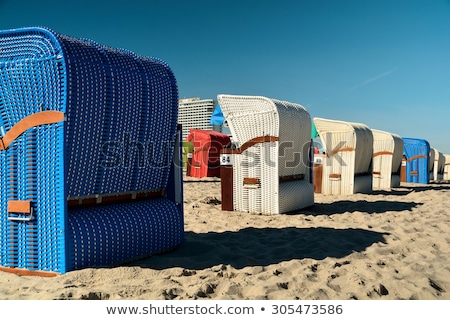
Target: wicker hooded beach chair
point(439, 164)
point(447, 167)
point(349, 149)
point(387, 159)
point(418, 154)
point(271, 158)
point(431, 163)
point(205, 157)
point(89, 135)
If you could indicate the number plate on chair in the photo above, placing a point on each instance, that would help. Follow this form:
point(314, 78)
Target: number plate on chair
point(226, 160)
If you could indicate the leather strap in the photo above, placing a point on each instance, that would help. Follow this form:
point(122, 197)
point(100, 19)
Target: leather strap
point(36, 119)
point(257, 140)
point(376, 154)
point(251, 181)
point(250, 143)
point(25, 272)
point(19, 206)
point(346, 149)
point(416, 157)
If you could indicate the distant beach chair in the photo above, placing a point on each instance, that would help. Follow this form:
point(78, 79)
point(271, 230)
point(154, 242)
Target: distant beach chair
point(349, 149)
point(447, 168)
point(439, 164)
point(431, 164)
point(418, 154)
point(204, 160)
point(387, 159)
point(188, 148)
point(89, 141)
point(270, 166)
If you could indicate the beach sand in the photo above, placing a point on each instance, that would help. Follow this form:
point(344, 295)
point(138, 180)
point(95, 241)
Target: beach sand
point(385, 245)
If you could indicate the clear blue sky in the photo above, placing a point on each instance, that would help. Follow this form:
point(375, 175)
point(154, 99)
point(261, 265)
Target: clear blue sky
point(384, 63)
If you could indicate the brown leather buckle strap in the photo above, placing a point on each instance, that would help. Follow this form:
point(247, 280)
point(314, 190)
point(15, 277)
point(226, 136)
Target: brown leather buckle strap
point(34, 120)
point(381, 153)
point(346, 149)
point(250, 143)
point(416, 157)
point(19, 206)
point(26, 272)
point(22, 207)
point(252, 181)
point(257, 140)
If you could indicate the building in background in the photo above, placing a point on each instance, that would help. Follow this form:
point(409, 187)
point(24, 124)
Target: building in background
point(194, 113)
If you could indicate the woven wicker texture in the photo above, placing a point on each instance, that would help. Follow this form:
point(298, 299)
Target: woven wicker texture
point(118, 136)
point(431, 163)
point(387, 159)
point(108, 234)
point(447, 168)
point(349, 148)
point(418, 154)
point(439, 164)
point(279, 163)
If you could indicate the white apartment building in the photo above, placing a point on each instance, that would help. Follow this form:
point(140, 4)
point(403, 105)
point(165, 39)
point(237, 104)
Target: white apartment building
point(195, 113)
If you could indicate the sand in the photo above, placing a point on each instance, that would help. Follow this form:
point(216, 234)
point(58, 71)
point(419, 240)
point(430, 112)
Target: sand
point(384, 245)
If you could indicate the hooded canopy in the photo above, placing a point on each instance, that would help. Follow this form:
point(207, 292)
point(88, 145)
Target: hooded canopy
point(217, 118)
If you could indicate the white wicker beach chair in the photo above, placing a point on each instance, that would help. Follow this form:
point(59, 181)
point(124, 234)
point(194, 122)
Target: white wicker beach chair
point(349, 148)
point(447, 167)
point(431, 164)
point(387, 159)
point(271, 158)
point(439, 164)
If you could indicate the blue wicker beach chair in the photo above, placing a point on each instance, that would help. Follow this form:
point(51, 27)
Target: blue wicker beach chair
point(418, 160)
point(88, 141)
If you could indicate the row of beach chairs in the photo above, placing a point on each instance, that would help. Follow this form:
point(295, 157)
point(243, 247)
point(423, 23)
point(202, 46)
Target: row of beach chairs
point(91, 153)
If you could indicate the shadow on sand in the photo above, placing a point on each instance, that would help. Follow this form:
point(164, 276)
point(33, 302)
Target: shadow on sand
point(393, 192)
point(432, 185)
point(262, 247)
point(199, 180)
point(371, 207)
